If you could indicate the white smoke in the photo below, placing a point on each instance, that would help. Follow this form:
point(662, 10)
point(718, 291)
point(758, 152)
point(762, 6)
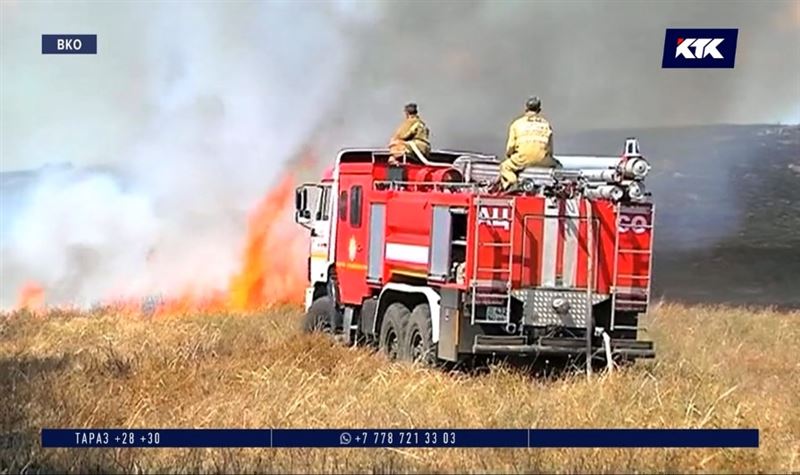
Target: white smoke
point(82, 230)
point(216, 101)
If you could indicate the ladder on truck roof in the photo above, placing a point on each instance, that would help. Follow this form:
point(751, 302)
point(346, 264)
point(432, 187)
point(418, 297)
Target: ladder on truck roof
point(495, 289)
point(630, 301)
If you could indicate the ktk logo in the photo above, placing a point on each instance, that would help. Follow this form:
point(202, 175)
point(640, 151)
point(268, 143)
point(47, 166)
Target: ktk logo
point(699, 48)
point(702, 47)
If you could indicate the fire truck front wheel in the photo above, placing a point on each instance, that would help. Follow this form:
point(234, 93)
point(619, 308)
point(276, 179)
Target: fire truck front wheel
point(419, 344)
point(321, 316)
point(392, 330)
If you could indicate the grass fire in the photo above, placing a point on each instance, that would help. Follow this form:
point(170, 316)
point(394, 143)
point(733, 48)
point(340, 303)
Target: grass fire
point(271, 270)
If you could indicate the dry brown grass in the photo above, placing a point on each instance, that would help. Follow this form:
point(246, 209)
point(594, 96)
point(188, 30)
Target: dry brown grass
point(717, 367)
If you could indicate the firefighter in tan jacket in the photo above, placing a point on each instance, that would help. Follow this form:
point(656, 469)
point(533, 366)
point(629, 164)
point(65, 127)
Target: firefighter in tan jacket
point(530, 144)
point(411, 138)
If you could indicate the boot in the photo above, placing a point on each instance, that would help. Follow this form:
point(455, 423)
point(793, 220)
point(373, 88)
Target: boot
point(494, 187)
point(513, 188)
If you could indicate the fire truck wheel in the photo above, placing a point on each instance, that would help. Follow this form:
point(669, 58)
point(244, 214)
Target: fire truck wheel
point(391, 336)
point(419, 344)
point(320, 316)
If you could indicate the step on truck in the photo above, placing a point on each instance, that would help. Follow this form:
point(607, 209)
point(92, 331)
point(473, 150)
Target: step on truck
point(423, 262)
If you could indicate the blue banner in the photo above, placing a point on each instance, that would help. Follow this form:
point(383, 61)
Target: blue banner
point(139, 438)
point(69, 44)
point(643, 438)
point(509, 438)
point(375, 438)
point(700, 48)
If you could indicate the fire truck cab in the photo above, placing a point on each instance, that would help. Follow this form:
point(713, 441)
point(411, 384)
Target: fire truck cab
point(422, 262)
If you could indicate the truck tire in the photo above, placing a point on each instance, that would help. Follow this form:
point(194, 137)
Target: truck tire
point(390, 341)
point(419, 345)
point(321, 316)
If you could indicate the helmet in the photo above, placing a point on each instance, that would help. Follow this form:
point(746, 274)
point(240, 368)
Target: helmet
point(533, 104)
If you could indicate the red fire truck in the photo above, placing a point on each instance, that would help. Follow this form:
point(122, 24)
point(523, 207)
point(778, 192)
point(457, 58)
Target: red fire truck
point(422, 261)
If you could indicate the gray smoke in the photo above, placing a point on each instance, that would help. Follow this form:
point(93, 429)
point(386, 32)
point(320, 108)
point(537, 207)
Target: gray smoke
point(191, 110)
point(596, 65)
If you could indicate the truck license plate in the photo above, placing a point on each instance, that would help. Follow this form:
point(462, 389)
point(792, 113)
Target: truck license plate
point(495, 314)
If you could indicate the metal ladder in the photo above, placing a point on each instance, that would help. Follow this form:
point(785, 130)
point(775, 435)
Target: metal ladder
point(632, 277)
point(493, 290)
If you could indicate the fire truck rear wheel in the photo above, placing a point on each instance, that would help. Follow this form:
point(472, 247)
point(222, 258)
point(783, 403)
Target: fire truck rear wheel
point(392, 333)
point(419, 344)
point(321, 316)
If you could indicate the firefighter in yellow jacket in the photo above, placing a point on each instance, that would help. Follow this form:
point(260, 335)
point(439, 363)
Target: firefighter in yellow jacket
point(530, 144)
point(411, 138)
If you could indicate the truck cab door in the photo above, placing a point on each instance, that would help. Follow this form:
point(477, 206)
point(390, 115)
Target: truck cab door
point(313, 211)
point(352, 237)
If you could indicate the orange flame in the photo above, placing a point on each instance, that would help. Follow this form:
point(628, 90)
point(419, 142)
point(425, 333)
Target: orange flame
point(31, 297)
point(272, 271)
point(186, 303)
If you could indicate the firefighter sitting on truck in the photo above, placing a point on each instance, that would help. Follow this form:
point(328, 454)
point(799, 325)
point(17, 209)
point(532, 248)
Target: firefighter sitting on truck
point(530, 143)
point(410, 138)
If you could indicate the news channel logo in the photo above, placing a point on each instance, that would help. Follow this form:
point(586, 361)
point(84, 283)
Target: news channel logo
point(69, 44)
point(700, 48)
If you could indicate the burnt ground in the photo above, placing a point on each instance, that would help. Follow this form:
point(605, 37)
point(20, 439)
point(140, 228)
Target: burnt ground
point(728, 217)
point(730, 272)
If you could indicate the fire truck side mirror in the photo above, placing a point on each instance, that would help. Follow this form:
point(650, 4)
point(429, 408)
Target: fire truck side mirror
point(302, 213)
point(300, 199)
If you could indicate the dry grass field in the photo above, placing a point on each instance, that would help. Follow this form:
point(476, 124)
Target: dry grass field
point(717, 367)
